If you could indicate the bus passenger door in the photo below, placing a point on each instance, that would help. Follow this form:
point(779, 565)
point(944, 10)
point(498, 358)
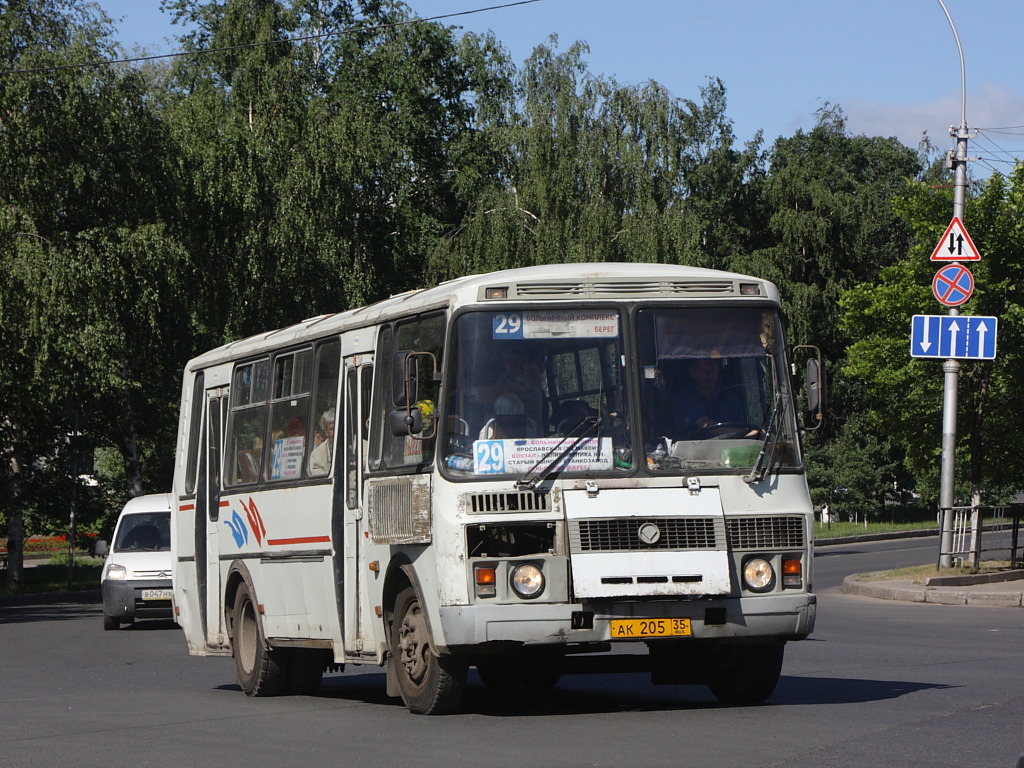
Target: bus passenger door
point(358, 375)
point(216, 410)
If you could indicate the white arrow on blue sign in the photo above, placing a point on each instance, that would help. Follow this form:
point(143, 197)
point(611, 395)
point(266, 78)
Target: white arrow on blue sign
point(959, 337)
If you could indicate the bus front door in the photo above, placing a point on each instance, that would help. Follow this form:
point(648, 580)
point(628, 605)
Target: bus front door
point(358, 376)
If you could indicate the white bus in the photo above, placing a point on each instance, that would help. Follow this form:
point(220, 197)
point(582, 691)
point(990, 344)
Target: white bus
point(548, 470)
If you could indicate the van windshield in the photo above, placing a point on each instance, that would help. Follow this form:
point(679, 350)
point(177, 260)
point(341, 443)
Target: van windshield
point(144, 532)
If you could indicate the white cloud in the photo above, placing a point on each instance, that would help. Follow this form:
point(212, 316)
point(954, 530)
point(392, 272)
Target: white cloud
point(990, 106)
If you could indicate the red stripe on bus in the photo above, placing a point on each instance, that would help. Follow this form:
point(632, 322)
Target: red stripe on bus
point(300, 540)
point(225, 503)
point(186, 507)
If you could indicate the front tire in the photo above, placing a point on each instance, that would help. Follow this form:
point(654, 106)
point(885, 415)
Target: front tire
point(110, 622)
point(745, 674)
point(260, 671)
point(430, 684)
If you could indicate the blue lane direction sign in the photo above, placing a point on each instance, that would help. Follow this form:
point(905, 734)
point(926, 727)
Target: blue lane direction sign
point(958, 337)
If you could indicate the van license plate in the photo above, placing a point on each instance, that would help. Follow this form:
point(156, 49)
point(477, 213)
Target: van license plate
point(623, 629)
point(157, 594)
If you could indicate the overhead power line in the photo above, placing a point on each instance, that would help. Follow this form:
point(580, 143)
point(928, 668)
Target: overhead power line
point(304, 38)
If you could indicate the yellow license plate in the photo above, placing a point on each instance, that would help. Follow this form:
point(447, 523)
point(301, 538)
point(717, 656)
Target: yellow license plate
point(625, 629)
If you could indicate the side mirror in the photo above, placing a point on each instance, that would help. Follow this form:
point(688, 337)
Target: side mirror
point(404, 378)
point(101, 549)
point(814, 383)
point(405, 422)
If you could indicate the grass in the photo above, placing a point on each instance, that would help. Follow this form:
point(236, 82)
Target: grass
point(838, 530)
point(918, 573)
point(54, 577)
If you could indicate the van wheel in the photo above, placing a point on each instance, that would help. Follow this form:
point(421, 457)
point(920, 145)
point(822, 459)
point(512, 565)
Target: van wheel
point(260, 671)
point(745, 674)
point(430, 684)
point(110, 622)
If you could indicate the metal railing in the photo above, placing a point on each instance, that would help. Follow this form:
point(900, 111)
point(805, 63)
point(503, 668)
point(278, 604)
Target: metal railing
point(968, 524)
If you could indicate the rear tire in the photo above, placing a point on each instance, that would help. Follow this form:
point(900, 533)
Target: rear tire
point(260, 671)
point(430, 684)
point(745, 674)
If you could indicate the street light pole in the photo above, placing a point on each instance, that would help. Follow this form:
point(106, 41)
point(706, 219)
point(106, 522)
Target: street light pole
point(951, 367)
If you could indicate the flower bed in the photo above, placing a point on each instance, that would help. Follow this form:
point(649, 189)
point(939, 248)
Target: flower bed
point(51, 545)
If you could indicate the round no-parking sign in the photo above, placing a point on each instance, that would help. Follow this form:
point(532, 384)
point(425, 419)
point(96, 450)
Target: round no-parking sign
point(953, 285)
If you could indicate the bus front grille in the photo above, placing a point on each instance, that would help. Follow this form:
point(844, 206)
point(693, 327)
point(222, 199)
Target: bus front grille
point(510, 501)
point(626, 534)
point(398, 510)
point(605, 289)
point(766, 532)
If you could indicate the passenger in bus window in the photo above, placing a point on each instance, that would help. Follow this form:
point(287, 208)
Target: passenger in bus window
point(320, 456)
point(508, 420)
point(570, 415)
point(701, 399)
point(521, 376)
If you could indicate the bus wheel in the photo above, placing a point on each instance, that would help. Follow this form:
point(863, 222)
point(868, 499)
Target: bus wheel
point(430, 684)
point(260, 671)
point(745, 674)
point(110, 622)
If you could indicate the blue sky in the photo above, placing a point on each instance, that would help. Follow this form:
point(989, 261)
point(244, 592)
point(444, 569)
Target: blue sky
point(892, 65)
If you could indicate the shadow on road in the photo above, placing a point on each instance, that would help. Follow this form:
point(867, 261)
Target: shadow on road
point(629, 692)
point(56, 612)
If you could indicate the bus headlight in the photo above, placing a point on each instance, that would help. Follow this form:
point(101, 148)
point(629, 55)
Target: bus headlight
point(758, 575)
point(527, 581)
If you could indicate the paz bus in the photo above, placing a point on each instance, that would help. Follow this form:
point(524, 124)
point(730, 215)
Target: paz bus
point(524, 472)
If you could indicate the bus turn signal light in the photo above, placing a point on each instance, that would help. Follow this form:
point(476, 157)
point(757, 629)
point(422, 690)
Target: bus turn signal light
point(485, 580)
point(792, 573)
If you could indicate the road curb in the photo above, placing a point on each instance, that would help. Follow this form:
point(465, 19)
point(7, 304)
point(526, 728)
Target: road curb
point(905, 590)
point(87, 597)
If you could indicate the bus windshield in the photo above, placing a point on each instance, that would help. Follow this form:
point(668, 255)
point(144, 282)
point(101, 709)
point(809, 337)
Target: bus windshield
point(713, 389)
point(538, 389)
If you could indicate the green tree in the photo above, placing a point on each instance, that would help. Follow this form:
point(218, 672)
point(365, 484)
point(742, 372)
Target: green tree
point(82, 161)
point(594, 171)
point(320, 172)
point(906, 394)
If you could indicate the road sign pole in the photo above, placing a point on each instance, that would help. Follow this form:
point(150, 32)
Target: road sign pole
point(951, 368)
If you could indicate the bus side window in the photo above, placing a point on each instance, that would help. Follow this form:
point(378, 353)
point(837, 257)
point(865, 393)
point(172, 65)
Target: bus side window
point(422, 334)
point(289, 415)
point(198, 394)
point(325, 415)
point(248, 423)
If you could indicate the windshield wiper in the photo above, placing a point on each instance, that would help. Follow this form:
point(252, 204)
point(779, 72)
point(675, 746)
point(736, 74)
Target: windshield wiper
point(527, 483)
point(757, 472)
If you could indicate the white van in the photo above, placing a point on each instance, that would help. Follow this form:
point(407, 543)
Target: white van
point(136, 579)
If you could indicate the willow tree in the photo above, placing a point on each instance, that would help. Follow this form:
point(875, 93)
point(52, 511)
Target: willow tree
point(322, 159)
point(595, 171)
point(80, 159)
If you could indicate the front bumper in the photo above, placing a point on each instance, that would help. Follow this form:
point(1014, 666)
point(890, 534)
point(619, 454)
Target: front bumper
point(784, 617)
point(124, 599)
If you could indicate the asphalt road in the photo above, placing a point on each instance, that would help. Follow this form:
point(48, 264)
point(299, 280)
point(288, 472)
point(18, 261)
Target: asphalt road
point(879, 684)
